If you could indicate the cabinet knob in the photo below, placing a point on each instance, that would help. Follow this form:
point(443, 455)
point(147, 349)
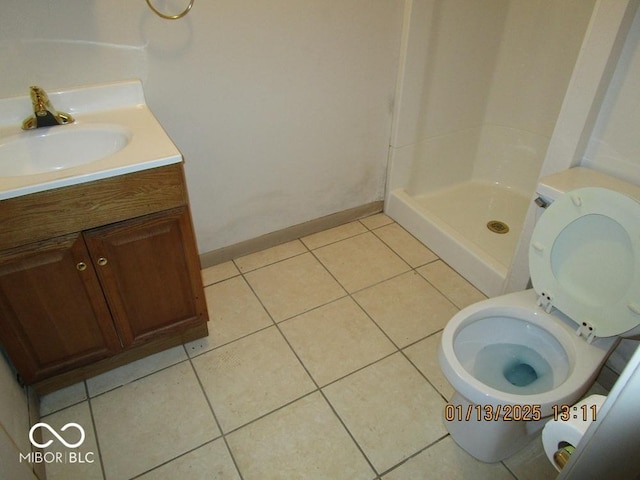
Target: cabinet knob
point(102, 261)
point(81, 266)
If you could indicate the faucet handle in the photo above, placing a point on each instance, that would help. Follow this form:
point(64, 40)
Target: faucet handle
point(40, 101)
point(44, 113)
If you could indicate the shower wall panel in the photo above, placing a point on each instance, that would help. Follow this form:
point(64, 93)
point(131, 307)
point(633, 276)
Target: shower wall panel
point(481, 89)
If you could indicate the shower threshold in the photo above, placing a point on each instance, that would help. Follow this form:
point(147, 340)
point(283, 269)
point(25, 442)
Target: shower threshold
point(453, 223)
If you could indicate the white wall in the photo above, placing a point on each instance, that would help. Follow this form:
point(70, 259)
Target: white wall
point(14, 426)
point(614, 145)
point(282, 108)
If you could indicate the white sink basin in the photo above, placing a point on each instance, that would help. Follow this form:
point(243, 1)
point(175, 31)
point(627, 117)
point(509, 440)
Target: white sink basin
point(115, 133)
point(60, 147)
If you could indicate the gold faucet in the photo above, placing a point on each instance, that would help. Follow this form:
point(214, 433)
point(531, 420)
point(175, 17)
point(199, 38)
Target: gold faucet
point(44, 115)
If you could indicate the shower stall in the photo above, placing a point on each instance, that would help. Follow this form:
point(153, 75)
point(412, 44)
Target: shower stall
point(480, 89)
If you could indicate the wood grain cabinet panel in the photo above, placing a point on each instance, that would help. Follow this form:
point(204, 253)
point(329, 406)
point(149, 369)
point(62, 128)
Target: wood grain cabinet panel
point(53, 313)
point(151, 284)
point(124, 285)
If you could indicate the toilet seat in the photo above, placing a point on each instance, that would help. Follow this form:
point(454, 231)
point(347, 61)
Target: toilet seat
point(584, 259)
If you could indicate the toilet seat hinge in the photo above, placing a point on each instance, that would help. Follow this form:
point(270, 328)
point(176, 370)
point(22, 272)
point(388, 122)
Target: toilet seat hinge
point(587, 331)
point(545, 300)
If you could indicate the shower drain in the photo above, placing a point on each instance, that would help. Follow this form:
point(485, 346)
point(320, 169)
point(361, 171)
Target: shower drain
point(496, 226)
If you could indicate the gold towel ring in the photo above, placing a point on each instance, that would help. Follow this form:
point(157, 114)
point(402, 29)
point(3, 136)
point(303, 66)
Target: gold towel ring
point(171, 17)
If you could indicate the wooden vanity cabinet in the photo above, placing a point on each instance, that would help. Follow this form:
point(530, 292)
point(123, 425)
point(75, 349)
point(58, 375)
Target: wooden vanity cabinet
point(54, 316)
point(148, 274)
point(83, 302)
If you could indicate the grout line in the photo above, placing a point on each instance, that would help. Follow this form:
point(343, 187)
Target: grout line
point(95, 429)
point(319, 390)
point(408, 345)
point(413, 455)
point(450, 300)
point(315, 383)
point(274, 324)
point(234, 260)
point(508, 469)
point(216, 282)
point(401, 349)
point(394, 250)
point(174, 458)
point(353, 438)
point(332, 242)
point(137, 378)
point(273, 262)
point(424, 376)
point(217, 347)
point(223, 435)
point(60, 409)
point(266, 414)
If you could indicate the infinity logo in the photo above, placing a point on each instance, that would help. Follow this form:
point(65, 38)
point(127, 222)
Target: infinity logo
point(55, 434)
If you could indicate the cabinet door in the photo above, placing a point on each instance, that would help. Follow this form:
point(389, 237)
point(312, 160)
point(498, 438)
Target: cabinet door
point(53, 316)
point(150, 274)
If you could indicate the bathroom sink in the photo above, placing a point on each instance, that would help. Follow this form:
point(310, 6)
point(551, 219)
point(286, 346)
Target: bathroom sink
point(58, 148)
point(114, 133)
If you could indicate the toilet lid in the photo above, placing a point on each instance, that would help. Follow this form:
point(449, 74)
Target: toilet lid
point(585, 257)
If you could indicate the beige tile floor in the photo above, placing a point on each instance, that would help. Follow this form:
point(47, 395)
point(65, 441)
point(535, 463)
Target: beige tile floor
point(320, 364)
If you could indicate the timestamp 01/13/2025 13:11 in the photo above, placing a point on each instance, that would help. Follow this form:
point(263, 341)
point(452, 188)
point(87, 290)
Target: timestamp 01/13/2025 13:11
point(507, 412)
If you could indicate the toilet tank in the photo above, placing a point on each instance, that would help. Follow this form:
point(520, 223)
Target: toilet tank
point(553, 186)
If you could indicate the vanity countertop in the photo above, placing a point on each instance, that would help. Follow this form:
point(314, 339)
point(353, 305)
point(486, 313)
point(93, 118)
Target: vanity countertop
point(119, 105)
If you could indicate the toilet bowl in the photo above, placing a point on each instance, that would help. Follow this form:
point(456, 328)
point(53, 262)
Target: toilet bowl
point(481, 384)
point(514, 360)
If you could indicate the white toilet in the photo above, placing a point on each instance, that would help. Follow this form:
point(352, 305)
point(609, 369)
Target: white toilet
point(527, 353)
